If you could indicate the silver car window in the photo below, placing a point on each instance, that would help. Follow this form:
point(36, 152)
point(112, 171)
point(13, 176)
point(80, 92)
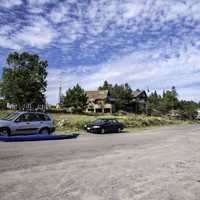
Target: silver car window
point(10, 116)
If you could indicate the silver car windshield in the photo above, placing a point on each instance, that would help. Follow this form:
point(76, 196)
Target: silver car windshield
point(10, 116)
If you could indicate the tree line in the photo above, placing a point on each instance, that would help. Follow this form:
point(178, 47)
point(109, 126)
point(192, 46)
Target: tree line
point(169, 101)
point(24, 81)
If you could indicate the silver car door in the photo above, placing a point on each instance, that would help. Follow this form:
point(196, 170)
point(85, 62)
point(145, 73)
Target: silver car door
point(25, 124)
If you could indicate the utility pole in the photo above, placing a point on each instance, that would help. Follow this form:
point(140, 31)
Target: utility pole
point(60, 88)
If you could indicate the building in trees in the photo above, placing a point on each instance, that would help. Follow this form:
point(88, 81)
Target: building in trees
point(100, 101)
point(139, 102)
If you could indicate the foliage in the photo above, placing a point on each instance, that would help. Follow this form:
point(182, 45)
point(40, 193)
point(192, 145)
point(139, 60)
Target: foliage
point(76, 99)
point(74, 122)
point(121, 93)
point(168, 101)
point(3, 104)
point(24, 79)
point(189, 109)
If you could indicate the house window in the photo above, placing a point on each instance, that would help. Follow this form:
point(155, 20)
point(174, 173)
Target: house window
point(90, 110)
point(107, 110)
point(98, 110)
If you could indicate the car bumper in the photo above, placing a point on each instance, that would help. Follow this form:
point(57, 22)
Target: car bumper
point(92, 130)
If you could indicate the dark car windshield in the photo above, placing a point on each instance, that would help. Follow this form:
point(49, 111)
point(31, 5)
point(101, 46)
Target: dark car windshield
point(10, 116)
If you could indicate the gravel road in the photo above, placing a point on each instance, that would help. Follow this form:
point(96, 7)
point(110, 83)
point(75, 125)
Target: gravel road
point(152, 164)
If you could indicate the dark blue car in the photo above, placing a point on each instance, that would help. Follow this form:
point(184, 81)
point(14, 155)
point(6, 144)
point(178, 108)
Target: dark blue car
point(105, 126)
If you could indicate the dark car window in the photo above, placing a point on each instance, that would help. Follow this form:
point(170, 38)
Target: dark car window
point(100, 121)
point(41, 117)
point(27, 117)
point(114, 121)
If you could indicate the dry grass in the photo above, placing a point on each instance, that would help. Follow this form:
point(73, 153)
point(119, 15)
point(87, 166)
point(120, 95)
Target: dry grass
point(74, 122)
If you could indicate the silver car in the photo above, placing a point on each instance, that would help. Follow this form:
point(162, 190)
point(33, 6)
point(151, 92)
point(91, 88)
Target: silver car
point(26, 123)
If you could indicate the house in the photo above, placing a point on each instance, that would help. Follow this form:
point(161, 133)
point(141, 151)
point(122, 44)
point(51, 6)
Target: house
point(100, 102)
point(198, 114)
point(139, 102)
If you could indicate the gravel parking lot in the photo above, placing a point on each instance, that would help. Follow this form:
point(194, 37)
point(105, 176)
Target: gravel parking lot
point(152, 164)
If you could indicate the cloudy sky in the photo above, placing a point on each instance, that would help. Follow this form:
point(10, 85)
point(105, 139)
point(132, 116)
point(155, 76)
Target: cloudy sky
point(151, 44)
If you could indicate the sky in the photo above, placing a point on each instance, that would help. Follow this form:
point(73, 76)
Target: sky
point(151, 44)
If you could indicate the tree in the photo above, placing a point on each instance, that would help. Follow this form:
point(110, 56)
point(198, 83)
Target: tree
point(188, 109)
point(169, 100)
point(154, 102)
point(75, 98)
point(106, 86)
point(24, 79)
point(121, 93)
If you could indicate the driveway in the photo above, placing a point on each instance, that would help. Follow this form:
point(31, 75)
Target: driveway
point(153, 164)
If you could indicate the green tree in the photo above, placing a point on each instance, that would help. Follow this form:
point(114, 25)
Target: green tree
point(121, 93)
point(75, 98)
point(106, 86)
point(154, 102)
point(188, 108)
point(169, 100)
point(24, 79)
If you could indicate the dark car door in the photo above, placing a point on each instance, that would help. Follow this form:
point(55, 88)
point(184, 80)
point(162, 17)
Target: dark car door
point(106, 125)
point(115, 125)
point(109, 126)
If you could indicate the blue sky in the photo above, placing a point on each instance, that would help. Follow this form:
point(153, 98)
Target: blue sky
point(151, 44)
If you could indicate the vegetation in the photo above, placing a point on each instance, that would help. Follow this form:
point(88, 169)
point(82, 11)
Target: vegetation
point(24, 82)
point(121, 93)
point(72, 122)
point(24, 79)
point(75, 99)
point(163, 104)
point(3, 104)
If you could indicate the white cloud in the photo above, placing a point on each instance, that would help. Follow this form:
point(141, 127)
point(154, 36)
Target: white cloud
point(58, 14)
point(10, 3)
point(8, 43)
point(137, 69)
point(38, 33)
point(5, 40)
point(131, 9)
point(39, 2)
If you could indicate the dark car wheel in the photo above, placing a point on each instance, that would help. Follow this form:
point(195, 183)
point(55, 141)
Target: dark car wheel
point(45, 131)
point(119, 130)
point(4, 132)
point(102, 131)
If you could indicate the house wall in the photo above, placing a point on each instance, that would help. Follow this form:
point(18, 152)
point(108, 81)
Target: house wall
point(101, 107)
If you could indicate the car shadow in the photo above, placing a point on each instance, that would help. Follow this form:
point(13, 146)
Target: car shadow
point(109, 133)
point(37, 137)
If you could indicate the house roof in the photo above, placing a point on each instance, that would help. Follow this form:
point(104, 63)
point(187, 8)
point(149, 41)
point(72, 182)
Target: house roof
point(101, 94)
point(138, 92)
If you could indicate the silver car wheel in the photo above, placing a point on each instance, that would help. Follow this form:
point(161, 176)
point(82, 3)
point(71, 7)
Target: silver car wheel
point(44, 131)
point(4, 132)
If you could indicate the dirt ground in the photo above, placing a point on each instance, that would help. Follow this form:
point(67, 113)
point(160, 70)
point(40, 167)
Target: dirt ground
point(152, 164)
